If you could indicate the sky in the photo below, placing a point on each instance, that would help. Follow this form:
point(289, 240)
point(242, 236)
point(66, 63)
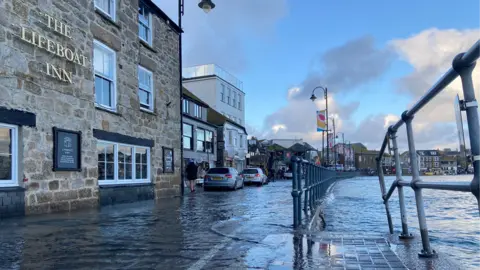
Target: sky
point(376, 58)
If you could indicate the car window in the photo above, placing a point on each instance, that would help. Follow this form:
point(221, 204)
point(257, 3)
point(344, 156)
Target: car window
point(218, 170)
point(250, 171)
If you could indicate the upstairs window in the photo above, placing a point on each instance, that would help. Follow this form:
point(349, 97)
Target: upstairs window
point(145, 88)
point(234, 103)
point(107, 7)
point(8, 155)
point(222, 93)
point(239, 102)
point(186, 106)
point(228, 96)
point(145, 23)
point(197, 111)
point(187, 136)
point(200, 140)
point(208, 141)
point(105, 69)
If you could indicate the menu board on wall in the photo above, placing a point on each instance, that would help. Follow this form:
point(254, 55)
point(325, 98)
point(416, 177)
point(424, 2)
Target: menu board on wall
point(66, 150)
point(168, 160)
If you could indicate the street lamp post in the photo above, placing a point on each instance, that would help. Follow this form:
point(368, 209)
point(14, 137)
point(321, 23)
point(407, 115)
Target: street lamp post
point(206, 5)
point(343, 148)
point(313, 98)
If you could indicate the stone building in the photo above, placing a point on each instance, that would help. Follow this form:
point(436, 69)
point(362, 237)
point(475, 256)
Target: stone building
point(89, 104)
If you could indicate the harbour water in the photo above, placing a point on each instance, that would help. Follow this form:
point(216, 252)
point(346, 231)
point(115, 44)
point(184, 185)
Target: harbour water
point(453, 220)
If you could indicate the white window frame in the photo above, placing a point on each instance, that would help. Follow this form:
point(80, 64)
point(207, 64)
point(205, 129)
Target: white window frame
point(151, 106)
point(117, 181)
point(192, 138)
point(234, 99)
point(229, 95)
point(186, 106)
point(222, 93)
point(14, 181)
point(113, 11)
point(150, 24)
point(239, 102)
point(113, 94)
point(197, 110)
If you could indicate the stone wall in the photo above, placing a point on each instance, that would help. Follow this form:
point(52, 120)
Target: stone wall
point(23, 86)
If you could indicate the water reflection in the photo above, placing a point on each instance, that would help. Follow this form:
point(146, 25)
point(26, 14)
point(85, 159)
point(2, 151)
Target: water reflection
point(452, 217)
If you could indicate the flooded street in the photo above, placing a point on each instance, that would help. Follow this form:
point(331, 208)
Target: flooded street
point(223, 229)
point(212, 229)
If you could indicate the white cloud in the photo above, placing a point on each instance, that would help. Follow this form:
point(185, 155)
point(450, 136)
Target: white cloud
point(430, 54)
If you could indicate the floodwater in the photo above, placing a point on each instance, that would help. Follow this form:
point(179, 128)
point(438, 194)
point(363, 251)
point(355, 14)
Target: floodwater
point(204, 230)
point(452, 217)
point(220, 230)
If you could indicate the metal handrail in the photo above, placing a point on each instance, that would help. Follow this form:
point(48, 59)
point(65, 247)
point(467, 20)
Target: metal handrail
point(316, 181)
point(462, 65)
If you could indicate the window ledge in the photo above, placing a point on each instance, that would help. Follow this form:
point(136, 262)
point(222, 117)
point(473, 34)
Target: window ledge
point(100, 108)
point(107, 17)
point(11, 188)
point(147, 111)
point(146, 45)
point(141, 184)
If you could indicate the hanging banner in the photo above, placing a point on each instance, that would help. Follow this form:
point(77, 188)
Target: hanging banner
point(330, 140)
point(321, 121)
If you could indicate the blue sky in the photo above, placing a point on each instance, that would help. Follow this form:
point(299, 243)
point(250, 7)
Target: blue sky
point(274, 45)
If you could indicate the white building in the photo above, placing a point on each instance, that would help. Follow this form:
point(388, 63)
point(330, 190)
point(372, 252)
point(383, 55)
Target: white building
point(224, 94)
point(218, 88)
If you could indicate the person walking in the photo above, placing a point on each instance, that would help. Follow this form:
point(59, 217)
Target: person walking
point(192, 173)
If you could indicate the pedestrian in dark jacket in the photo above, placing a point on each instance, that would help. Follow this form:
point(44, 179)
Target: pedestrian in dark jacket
point(192, 173)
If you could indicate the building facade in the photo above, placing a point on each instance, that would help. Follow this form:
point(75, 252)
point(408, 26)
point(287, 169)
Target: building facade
point(231, 141)
point(219, 89)
point(199, 136)
point(89, 104)
point(429, 160)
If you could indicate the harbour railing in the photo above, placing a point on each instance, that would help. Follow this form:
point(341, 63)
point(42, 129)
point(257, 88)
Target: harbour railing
point(462, 65)
point(312, 181)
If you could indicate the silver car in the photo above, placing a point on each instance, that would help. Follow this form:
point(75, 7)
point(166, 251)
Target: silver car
point(254, 176)
point(223, 177)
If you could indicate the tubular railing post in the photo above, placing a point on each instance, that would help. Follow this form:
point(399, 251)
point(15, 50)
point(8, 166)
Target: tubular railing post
point(299, 184)
point(307, 187)
point(384, 192)
point(422, 222)
point(401, 197)
point(294, 191)
point(471, 107)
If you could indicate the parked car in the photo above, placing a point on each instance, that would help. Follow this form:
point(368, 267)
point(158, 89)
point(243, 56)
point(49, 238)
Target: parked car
point(288, 174)
point(254, 176)
point(223, 177)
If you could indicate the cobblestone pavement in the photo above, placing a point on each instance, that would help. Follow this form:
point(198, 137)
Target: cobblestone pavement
point(249, 228)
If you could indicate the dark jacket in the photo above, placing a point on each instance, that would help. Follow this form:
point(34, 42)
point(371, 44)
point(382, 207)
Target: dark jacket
point(192, 171)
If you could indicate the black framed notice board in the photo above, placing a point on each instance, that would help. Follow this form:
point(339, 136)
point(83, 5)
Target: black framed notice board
point(67, 151)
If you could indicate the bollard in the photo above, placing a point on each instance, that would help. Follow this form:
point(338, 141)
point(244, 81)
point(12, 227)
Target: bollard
point(295, 192)
point(427, 251)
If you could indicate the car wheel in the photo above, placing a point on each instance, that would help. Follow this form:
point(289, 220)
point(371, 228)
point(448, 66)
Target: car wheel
point(235, 186)
point(243, 184)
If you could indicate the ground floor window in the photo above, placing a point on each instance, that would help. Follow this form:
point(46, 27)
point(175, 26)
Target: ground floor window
point(8, 155)
point(122, 163)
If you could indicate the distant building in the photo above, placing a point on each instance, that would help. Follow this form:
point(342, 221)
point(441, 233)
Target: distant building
point(428, 160)
point(219, 89)
point(199, 136)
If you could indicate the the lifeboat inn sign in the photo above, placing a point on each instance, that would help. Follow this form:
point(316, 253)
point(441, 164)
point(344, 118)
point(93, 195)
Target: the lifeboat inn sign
point(54, 47)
